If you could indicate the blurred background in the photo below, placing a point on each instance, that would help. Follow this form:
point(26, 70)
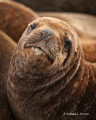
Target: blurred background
point(81, 6)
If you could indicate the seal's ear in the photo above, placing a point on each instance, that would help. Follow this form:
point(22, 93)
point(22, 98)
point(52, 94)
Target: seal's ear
point(67, 44)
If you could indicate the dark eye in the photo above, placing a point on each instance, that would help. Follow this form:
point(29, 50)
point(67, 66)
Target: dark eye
point(31, 27)
point(67, 44)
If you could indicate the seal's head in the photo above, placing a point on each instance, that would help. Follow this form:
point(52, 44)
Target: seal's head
point(45, 46)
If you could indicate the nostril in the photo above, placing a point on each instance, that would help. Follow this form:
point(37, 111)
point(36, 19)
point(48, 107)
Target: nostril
point(46, 33)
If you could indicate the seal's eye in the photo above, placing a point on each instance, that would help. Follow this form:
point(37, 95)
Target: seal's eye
point(31, 27)
point(67, 44)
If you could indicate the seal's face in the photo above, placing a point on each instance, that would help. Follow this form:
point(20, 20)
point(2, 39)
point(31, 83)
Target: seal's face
point(46, 45)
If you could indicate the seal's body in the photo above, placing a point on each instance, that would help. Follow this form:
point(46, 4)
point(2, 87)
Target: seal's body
point(48, 76)
point(14, 18)
point(6, 48)
point(89, 48)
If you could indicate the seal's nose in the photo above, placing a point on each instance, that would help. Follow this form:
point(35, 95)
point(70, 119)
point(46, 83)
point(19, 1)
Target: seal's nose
point(47, 33)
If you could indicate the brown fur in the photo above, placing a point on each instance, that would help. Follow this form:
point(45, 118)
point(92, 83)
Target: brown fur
point(84, 24)
point(89, 48)
point(80, 22)
point(14, 18)
point(6, 49)
point(48, 76)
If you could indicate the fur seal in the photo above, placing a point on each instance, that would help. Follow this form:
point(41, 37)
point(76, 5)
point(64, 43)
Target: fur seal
point(6, 48)
point(14, 18)
point(48, 77)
